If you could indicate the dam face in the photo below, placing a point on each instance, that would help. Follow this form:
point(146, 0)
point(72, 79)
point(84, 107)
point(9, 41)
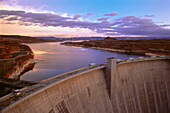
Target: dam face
point(138, 86)
point(141, 87)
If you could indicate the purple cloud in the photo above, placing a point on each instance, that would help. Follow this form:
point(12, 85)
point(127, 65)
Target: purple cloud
point(76, 16)
point(132, 25)
point(148, 15)
point(47, 19)
point(12, 18)
point(127, 25)
point(111, 14)
point(17, 13)
point(103, 18)
point(89, 14)
point(2, 1)
point(2, 16)
point(165, 25)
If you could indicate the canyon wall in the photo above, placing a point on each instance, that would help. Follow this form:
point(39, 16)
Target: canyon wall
point(15, 59)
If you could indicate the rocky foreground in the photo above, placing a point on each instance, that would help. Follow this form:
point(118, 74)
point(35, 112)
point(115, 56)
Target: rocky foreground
point(150, 47)
point(15, 59)
point(14, 56)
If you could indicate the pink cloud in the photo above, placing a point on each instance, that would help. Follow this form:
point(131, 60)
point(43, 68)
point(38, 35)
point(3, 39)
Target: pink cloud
point(89, 14)
point(148, 15)
point(76, 16)
point(103, 18)
point(111, 14)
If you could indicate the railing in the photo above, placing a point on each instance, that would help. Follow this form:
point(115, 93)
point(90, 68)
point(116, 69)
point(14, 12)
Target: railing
point(70, 73)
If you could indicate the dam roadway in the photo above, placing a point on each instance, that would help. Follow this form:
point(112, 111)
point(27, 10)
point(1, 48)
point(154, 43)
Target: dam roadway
point(128, 86)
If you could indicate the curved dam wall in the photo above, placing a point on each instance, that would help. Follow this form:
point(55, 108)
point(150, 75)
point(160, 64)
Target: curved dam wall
point(140, 86)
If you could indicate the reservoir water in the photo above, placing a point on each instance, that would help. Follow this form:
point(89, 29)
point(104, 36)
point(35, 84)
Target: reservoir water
point(53, 59)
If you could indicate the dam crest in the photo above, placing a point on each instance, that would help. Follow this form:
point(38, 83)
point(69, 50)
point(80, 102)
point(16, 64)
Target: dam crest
point(119, 86)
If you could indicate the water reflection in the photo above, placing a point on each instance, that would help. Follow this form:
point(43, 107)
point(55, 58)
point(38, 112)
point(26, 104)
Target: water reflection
point(53, 59)
point(37, 52)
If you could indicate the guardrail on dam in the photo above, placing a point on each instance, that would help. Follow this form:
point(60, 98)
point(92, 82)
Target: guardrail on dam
point(130, 86)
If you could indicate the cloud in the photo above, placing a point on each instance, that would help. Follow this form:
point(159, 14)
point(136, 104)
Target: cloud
point(111, 14)
point(76, 16)
point(127, 25)
point(2, 16)
point(8, 13)
point(103, 19)
point(148, 15)
point(1, 1)
point(12, 18)
point(132, 25)
point(23, 5)
point(165, 25)
point(48, 19)
point(9, 2)
point(89, 14)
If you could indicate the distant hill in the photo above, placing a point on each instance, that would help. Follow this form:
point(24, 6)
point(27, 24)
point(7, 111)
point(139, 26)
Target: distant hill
point(100, 38)
point(73, 38)
point(28, 39)
point(24, 39)
point(139, 38)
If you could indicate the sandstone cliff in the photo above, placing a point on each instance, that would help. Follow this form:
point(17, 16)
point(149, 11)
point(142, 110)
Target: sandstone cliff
point(15, 59)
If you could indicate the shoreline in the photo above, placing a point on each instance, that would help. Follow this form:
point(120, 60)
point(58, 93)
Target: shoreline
point(139, 52)
point(109, 49)
point(150, 47)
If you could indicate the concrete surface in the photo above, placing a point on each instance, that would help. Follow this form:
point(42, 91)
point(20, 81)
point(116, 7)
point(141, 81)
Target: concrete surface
point(141, 87)
point(136, 86)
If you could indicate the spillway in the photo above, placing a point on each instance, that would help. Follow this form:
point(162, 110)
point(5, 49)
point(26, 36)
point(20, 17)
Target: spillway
point(130, 86)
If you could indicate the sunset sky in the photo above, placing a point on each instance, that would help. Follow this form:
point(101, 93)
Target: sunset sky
point(77, 18)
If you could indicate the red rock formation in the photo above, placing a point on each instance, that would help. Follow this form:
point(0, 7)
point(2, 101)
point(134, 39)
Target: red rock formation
point(15, 59)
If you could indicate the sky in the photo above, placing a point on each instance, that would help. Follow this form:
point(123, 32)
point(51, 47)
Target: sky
point(85, 18)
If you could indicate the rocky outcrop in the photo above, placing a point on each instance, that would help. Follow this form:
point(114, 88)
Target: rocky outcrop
point(15, 59)
point(109, 38)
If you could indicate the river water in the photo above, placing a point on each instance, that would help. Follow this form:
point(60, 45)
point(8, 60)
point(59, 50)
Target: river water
point(53, 59)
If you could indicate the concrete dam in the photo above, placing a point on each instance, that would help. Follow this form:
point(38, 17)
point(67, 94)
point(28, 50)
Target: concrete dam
point(120, 86)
